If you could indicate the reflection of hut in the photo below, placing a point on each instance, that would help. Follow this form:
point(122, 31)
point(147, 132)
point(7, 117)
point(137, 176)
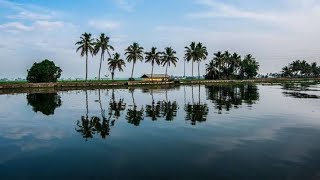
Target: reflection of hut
point(155, 77)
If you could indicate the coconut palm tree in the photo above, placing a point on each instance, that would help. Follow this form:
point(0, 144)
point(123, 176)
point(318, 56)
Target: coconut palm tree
point(190, 54)
point(115, 63)
point(201, 54)
point(169, 57)
point(102, 44)
point(86, 46)
point(153, 57)
point(218, 61)
point(134, 52)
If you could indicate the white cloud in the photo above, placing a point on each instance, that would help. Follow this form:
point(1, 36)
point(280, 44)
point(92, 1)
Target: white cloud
point(15, 26)
point(127, 5)
point(49, 25)
point(27, 15)
point(103, 25)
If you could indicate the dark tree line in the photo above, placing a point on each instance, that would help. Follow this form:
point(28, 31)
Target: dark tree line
point(232, 66)
point(300, 68)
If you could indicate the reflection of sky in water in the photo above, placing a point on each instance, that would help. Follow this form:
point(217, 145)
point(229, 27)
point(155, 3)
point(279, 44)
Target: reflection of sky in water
point(274, 138)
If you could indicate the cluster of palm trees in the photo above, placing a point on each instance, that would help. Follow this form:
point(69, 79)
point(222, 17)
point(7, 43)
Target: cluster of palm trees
point(223, 65)
point(300, 68)
point(232, 66)
point(88, 46)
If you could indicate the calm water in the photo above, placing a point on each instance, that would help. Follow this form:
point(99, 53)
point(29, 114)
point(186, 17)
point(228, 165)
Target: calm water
point(200, 132)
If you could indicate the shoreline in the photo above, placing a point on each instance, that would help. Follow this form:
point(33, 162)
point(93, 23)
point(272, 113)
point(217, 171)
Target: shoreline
point(13, 88)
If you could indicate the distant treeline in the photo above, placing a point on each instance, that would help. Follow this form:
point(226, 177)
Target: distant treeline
point(300, 68)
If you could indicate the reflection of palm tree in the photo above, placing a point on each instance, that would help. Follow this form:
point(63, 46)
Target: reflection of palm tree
point(169, 110)
point(90, 126)
point(115, 108)
point(196, 112)
point(153, 110)
point(227, 97)
point(134, 116)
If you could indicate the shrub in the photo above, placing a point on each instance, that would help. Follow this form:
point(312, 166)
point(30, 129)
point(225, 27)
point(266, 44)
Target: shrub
point(45, 71)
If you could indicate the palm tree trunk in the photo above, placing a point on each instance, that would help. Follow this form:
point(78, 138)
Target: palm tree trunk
point(100, 66)
point(184, 69)
point(86, 66)
point(192, 68)
point(152, 73)
point(132, 69)
point(166, 70)
point(112, 75)
point(100, 103)
point(198, 70)
point(192, 94)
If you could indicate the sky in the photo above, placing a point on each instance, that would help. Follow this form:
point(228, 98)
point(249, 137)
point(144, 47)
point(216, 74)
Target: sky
point(275, 32)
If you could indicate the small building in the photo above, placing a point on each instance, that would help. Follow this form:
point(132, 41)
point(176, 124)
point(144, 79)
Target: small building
point(155, 77)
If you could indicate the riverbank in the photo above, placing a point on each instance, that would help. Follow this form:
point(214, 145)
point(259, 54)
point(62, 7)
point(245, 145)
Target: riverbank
point(20, 87)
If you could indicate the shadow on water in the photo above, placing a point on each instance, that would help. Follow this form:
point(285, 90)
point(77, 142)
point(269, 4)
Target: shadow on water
point(46, 103)
point(232, 96)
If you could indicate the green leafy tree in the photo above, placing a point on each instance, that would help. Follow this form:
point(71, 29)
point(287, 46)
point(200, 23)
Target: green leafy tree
point(169, 57)
point(86, 46)
point(116, 63)
point(134, 53)
point(249, 67)
point(154, 58)
point(45, 71)
point(102, 44)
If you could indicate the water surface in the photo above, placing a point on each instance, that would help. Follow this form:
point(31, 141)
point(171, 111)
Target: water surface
point(186, 132)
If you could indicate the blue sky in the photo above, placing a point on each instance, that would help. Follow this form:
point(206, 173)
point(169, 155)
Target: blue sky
point(276, 32)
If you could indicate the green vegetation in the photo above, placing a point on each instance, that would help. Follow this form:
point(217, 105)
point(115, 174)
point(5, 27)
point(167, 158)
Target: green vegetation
point(102, 44)
point(301, 69)
point(134, 53)
point(231, 66)
point(153, 57)
point(45, 71)
point(168, 58)
point(86, 46)
point(116, 63)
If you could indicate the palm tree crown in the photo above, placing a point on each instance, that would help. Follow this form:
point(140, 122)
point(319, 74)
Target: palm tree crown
point(115, 63)
point(86, 46)
point(153, 57)
point(134, 52)
point(190, 54)
point(169, 57)
point(201, 54)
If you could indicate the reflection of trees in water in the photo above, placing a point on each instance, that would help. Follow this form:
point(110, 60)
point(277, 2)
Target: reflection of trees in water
point(226, 97)
point(169, 110)
point(116, 107)
point(134, 115)
point(294, 90)
point(196, 111)
point(91, 126)
point(162, 109)
point(46, 103)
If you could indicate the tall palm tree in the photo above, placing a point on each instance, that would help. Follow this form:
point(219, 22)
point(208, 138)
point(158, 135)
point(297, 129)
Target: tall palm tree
point(116, 63)
point(169, 57)
point(190, 54)
point(153, 57)
point(102, 44)
point(201, 54)
point(134, 52)
point(218, 61)
point(86, 46)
